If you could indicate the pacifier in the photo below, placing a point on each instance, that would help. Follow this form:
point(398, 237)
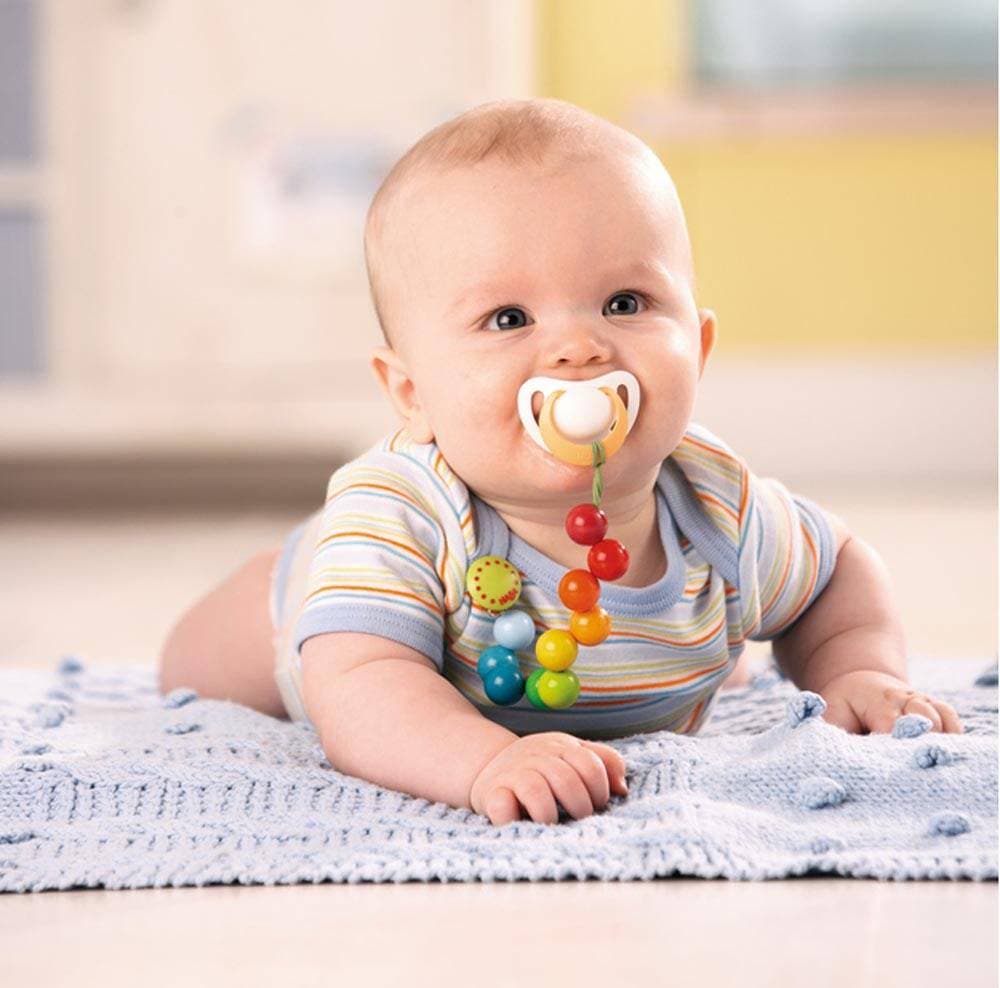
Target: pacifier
point(576, 414)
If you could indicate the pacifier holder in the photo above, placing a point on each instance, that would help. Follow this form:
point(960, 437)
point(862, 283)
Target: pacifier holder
point(495, 584)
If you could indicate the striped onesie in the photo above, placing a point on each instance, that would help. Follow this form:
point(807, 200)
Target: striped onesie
point(388, 555)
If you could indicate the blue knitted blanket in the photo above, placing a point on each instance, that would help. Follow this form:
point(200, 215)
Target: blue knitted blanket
point(103, 783)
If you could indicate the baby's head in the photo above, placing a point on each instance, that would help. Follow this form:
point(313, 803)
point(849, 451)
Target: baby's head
point(530, 238)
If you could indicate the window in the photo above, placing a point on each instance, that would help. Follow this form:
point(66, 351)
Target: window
point(22, 226)
point(773, 43)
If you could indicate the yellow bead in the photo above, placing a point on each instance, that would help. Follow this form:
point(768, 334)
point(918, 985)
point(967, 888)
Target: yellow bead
point(493, 583)
point(556, 649)
point(590, 627)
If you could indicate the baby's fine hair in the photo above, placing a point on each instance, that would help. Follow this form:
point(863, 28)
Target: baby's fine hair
point(516, 131)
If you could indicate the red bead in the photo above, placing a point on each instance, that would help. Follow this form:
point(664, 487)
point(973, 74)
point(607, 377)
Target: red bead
point(608, 560)
point(586, 524)
point(579, 590)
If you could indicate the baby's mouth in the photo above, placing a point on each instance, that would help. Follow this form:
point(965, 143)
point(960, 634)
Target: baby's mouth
point(565, 417)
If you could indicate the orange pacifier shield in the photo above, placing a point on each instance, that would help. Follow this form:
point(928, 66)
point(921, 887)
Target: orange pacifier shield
point(563, 427)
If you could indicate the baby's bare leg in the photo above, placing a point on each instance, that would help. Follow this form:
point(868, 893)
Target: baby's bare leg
point(223, 645)
point(740, 676)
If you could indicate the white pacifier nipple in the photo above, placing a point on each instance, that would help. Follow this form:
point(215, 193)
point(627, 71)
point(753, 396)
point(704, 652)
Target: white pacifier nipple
point(583, 415)
point(575, 414)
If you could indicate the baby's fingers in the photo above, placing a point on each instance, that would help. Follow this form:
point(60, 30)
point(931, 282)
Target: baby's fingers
point(613, 763)
point(949, 718)
point(918, 705)
point(567, 786)
point(941, 715)
point(535, 794)
point(880, 716)
point(502, 806)
point(840, 713)
point(591, 770)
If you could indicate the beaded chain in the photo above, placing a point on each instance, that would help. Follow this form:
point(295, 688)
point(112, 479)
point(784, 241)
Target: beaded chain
point(495, 584)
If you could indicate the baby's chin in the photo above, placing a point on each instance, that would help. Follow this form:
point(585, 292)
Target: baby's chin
point(539, 470)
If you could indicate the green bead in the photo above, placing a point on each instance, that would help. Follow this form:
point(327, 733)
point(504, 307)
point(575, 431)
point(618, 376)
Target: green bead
point(558, 689)
point(531, 689)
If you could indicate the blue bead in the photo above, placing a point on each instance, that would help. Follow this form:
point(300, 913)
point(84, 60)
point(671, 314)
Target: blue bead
point(494, 659)
point(504, 686)
point(514, 630)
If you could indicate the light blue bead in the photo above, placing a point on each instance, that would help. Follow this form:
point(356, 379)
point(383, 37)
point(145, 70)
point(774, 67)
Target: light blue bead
point(494, 659)
point(505, 685)
point(514, 630)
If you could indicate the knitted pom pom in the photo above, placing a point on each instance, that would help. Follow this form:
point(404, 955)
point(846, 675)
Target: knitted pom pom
point(824, 845)
point(911, 726)
point(69, 665)
point(818, 791)
point(179, 696)
point(50, 714)
point(804, 706)
point(184, 728)
point(36, 748)
point(949, 825)
point(930, 755)
point(988, 677)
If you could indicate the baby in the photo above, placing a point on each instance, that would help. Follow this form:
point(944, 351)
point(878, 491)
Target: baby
point(523, 241)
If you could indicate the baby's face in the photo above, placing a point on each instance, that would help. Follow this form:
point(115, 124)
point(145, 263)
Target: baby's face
point(570, 271)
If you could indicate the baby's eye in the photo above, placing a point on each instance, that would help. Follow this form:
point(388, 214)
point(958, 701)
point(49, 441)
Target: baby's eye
point(628, 298)
point(511, 318)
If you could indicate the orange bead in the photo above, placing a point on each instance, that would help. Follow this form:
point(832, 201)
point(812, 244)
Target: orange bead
point(579, 590)
point(590, 627)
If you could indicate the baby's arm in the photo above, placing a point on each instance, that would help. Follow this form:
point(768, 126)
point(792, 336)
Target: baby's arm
point(849, 647)
point(384, 713)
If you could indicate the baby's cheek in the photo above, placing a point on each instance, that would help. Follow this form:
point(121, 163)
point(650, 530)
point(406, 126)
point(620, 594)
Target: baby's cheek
point(678, 344)
point(666, 407)
point(470, 434)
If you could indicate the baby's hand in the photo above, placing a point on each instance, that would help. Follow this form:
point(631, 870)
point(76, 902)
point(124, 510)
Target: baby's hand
point(873, 700)
point(540, 768)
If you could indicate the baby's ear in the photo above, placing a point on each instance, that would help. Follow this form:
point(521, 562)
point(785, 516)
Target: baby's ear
point(395, 381)
point(709, 329)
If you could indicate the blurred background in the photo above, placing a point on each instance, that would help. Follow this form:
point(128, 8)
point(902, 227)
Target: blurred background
point(184, 317)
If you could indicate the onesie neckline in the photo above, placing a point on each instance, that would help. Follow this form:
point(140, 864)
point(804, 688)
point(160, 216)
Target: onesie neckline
point(496, 539)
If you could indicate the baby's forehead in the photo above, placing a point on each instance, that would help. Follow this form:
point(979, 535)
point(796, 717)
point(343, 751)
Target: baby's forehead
point(509, 198)
point(625, 161)
point(454, 228)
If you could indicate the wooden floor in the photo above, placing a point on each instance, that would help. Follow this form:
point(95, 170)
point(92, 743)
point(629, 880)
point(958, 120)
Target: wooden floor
point(109, 588)
point(804, 933)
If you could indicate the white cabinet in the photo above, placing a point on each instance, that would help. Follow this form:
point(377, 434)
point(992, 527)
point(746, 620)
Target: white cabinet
point(206, 168)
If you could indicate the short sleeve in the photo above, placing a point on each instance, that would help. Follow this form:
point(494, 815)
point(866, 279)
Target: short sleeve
point(775, 550)
point(378, 564)
point(787, 558)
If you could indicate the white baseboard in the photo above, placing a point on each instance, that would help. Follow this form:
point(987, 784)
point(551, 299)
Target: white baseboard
point(884, 422)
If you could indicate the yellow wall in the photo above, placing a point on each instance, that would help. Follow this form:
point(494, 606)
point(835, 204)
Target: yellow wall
point(886, 242)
